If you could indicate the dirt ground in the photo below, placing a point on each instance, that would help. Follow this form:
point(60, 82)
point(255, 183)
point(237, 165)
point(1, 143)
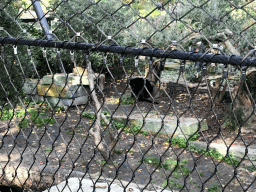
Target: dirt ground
point(66, 145)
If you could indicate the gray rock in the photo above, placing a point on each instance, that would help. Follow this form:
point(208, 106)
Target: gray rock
point(186, 126)
point(236, 150)
point(64, 102)
point(72, 185)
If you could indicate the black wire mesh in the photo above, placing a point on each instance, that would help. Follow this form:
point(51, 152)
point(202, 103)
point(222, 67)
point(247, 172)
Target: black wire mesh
point(127, 95)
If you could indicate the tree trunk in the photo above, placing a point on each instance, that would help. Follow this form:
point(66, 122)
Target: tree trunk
point(154, 75)
point(96, 131)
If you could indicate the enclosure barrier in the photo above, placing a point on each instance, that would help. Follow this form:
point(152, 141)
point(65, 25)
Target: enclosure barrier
point(152, 95)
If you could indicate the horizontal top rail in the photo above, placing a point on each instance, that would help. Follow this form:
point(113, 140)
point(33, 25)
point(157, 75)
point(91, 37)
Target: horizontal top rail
point(173, 54)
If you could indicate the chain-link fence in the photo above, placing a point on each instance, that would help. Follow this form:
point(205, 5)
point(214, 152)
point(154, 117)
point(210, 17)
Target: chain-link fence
point(127, 95)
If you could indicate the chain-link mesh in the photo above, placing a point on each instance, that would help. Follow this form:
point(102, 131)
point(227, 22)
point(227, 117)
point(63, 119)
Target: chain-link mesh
point(127, 95)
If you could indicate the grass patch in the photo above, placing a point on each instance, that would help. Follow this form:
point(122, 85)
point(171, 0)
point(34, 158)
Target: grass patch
point(214, 188)
point(181, 142)
point(216, 155)
point(8, 114)
point(117, 151)
point(180, 170)
point(48, 149)
point(69, 132)
point(251, 168)
point(31, 115)
point(127, 100)
point(151, 161)
point(88, 115)
point(24, 123)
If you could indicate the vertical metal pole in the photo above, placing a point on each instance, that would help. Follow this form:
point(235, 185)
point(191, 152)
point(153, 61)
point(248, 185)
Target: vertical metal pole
point(44, 24)
point(42, 19)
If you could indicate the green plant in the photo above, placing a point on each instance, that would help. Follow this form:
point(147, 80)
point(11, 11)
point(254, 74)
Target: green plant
point(179, 141)
point(115, 163)
point(106, 112)
point(171, 183)
point(24, 123)
point(230, 159)
point(117, 151)
point(151, 160)
point(233, 117)
point(251, 168)
point(69, 132)
point(145, 133)
point(35, 118)
point(192, 74)
point(132, 129)
point(118, 125)
point(126, 100)
point(194, 137)
point(89, 115)
point(48, 149)
point(176, 175)
point(103, 162)
point(169, 164)
point(214, 188)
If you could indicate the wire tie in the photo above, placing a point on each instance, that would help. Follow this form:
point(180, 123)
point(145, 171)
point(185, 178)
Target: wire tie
point(29, 51)
point(243, 73)
point(204, 69)
point(121, 60)
point(182, 66)
point(58, 53)
point(151, 63)
point(15, 50)
point(162, 64)
point(136, 61)
point(105, 59)
point(225, 72)
point(87, 57)
point(44, 53)
point(72, 56)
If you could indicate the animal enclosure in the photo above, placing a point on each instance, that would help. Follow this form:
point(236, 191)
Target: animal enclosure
point(127, 95)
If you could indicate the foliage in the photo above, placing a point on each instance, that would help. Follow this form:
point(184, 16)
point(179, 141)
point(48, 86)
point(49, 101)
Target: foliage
point(151, 161)
point(233, 117)
point(88, 115)
point(230, 159)
point(179, 170)
point(181, 142)
point(214, 188)
point(126, 100)
point(32, 115)
point(192, 74)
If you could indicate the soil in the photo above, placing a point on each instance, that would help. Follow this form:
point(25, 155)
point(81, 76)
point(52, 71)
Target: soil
point(66, 145)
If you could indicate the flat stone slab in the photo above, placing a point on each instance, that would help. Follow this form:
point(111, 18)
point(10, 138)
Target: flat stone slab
point(64, 91)
point(62, 79)
point(62, 102)
point(75, 184)
point(170, 125)
point(237, 151)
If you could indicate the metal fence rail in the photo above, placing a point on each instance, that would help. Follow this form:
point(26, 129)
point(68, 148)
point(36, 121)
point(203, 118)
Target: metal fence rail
point(126, 95)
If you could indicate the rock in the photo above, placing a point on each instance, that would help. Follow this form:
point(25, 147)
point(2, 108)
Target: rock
point(65, 91)
point(245, 130)
point(186, 126)
point(72, 185)
point(62, 79)
point(236, 150)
